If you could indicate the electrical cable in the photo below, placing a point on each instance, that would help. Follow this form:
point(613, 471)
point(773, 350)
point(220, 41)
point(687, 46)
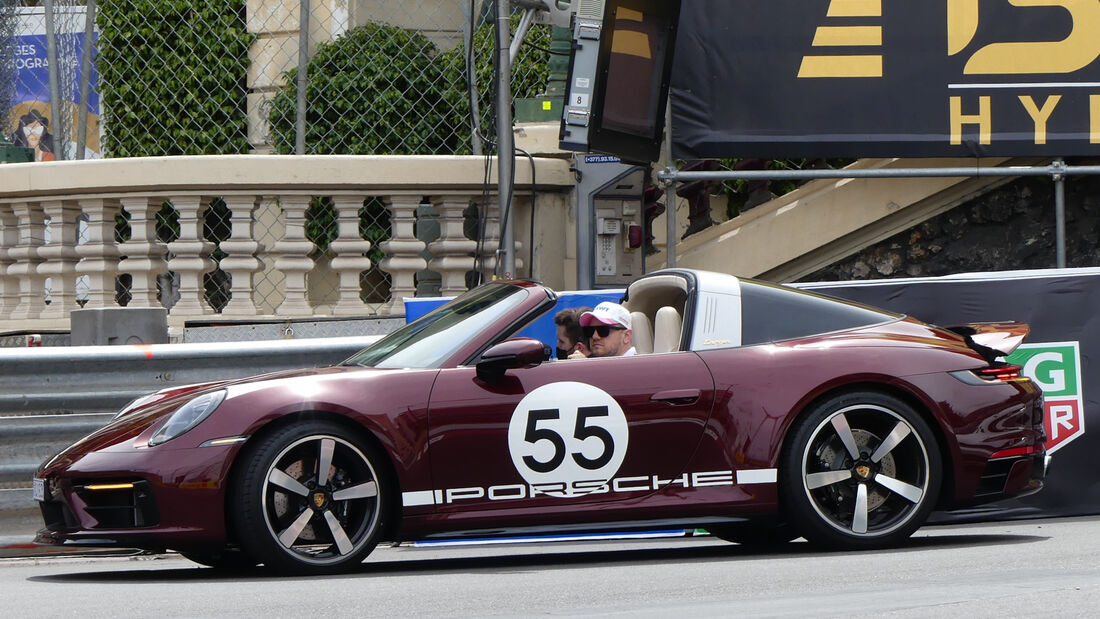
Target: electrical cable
point(545, 49)
point(483, 210)
point(534, 202)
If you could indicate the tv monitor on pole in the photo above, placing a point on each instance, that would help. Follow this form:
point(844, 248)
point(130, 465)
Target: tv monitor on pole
point(619, 76)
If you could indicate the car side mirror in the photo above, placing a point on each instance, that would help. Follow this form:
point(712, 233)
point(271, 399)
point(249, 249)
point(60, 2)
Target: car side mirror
point(510, 355)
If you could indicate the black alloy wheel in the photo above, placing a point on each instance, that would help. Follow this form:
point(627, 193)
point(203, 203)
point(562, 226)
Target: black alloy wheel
point(310, 499)
point(861, 470)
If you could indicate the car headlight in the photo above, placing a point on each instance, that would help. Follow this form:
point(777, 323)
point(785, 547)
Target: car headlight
point(187, 416)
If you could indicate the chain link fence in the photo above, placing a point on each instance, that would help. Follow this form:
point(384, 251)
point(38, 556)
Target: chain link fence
point(192, 77)
point(186, 77)
point(298, 76)
point(8, 23)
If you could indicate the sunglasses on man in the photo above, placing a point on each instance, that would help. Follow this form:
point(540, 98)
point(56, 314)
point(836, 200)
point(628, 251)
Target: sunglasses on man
point(603, 330)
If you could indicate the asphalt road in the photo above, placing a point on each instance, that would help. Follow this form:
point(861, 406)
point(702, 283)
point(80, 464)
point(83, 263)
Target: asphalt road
point(1036, 568)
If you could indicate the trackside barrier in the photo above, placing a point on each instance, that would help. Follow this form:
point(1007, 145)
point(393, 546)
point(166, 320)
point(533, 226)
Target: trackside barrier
point(50, 397)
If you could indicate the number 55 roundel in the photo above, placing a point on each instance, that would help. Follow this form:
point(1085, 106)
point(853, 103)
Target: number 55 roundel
point(567, 438)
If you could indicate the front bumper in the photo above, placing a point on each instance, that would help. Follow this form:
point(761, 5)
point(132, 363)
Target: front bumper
point(152, 498)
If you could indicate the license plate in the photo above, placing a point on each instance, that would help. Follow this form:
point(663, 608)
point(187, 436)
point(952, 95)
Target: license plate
point(38, 489)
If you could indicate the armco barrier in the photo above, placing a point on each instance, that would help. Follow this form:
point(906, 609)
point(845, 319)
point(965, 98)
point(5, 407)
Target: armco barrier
point(50, 397)
point(100, 379)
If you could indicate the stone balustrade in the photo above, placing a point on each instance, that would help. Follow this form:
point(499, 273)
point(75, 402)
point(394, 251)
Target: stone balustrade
point(255, 237)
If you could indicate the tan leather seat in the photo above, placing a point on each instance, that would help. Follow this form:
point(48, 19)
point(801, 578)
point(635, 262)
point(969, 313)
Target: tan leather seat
point(643, 333)
point(666, 330)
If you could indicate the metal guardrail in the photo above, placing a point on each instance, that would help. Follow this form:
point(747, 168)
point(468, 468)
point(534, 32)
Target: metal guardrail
point(100, 379)
point(51, 397)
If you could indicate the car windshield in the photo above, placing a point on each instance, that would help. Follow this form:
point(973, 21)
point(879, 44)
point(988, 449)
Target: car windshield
point(434, 337)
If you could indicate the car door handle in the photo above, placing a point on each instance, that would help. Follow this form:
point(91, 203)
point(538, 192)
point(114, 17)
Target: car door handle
point(676, 396)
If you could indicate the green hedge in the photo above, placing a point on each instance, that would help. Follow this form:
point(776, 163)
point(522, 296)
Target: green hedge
point(380, 89)
point(173, 82)
point(377, 89)
point(173, 77)
point(530, 72)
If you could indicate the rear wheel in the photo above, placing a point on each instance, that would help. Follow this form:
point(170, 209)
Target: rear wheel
point(860, 471)
point(310, 498)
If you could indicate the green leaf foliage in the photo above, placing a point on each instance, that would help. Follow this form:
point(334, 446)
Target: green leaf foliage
point(380, 89)
point(173, 77)
point(374, 90)
point(530, 73)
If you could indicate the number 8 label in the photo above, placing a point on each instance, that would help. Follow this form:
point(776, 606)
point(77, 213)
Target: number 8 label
point(567, 438)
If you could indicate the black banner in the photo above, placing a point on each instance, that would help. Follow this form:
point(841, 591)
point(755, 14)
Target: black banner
point(886, 78)
point(1060, 306)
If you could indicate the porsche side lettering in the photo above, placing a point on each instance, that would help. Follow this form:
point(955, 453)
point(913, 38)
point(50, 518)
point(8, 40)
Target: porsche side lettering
point(638, 483)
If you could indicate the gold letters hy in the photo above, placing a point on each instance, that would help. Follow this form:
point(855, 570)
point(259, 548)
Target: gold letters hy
point(1075, 52)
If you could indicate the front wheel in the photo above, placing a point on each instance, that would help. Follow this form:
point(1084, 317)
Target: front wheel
point(310, 499)
point(860, 471)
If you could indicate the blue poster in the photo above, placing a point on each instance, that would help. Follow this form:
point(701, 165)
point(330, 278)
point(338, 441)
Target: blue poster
point(30, 110)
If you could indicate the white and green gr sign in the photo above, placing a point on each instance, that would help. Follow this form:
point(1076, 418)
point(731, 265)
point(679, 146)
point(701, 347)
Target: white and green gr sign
point(1056, 368)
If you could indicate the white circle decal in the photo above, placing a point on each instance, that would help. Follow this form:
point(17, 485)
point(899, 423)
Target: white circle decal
point(567, 439)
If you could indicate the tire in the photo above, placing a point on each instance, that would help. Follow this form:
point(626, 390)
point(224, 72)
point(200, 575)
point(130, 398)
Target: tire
point(295, 520)
point(860, 471)
point(759, 536)
point(220, 559)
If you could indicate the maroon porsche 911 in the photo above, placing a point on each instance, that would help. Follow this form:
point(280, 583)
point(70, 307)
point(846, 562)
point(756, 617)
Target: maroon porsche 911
point(759, 412)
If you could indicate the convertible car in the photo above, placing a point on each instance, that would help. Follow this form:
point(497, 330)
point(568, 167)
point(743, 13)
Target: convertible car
point(759, 412)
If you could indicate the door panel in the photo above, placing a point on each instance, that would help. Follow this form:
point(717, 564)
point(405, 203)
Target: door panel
point(574, 431)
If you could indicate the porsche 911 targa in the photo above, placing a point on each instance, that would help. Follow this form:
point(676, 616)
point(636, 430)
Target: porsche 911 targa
point(758, 412)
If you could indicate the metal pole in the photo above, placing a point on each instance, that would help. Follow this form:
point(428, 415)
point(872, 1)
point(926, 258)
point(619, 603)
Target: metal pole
point(670, 194)
point(506, 155)
point(586, 241)
point(1059, 213)
point(85, 80)
point(468, 14)
point(303, 61)
point(55, 89)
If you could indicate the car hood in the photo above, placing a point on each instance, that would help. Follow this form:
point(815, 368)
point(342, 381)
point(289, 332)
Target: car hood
point(128, 431)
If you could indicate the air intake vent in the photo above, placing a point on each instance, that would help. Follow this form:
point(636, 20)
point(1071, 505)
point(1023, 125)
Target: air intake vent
point(590, 9)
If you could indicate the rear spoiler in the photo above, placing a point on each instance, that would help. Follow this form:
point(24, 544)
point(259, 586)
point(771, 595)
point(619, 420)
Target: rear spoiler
point(992, 339)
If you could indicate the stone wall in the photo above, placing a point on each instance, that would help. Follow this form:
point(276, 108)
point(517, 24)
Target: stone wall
point(1009, 228)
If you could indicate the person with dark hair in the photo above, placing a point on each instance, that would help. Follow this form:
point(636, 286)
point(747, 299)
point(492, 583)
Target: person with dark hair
point(571, 341)
point(33, 132)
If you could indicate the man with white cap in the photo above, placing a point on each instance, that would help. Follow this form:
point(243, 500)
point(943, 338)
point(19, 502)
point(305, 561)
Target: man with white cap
point(608, 328)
